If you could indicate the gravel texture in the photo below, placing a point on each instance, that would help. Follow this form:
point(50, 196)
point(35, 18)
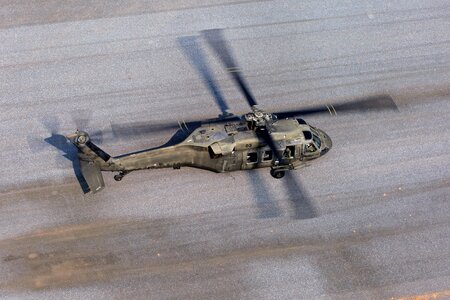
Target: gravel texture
point(382, 194)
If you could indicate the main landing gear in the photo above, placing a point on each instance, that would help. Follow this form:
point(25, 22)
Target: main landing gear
point(277, 173)
point(119, 176)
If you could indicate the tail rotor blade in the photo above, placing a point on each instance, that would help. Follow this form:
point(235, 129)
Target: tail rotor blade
point(51, 124)
point(82, 118)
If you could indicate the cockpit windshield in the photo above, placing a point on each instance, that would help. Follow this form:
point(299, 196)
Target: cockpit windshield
point(316, 140)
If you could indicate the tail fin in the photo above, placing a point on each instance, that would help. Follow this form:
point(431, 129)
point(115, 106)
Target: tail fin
point(92, 158)
point(92, 175)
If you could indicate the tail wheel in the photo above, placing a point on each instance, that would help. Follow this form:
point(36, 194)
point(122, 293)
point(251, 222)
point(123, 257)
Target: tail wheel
point(121, 174)
point(278, 174)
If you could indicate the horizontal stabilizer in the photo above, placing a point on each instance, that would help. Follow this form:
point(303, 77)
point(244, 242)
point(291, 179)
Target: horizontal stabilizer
point(93, 176)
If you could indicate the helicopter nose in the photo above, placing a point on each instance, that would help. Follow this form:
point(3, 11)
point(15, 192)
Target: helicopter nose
point(327, 143)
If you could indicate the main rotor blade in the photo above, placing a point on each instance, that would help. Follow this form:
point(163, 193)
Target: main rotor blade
point(215, 39)
point(373, 103)
point(130, 130)
point(267, 206)
point(194, 53)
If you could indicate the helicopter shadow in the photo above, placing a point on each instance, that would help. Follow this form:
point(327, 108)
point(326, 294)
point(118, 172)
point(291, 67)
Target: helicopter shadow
point(38, 143)
point(301, 202)
point(192, 50)
point(266, 206)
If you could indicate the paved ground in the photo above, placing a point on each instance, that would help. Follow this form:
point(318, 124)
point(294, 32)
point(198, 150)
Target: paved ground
point(381, 194)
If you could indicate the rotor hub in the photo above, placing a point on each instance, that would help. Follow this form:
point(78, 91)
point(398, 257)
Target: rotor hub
point(81, 137)
point(259, 118)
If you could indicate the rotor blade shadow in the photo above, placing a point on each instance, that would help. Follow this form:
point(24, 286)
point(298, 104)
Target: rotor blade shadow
point(303, 206)
point(194, 53)
point(266, 206)
point(70, 152)
point(216, 40)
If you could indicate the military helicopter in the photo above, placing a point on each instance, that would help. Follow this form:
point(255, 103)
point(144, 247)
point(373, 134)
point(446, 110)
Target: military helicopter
point(280, 141)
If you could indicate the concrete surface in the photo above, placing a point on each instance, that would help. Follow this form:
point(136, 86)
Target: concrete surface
point(382, 192)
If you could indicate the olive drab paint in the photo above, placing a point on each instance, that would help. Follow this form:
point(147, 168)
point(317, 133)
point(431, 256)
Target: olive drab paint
point(219, 148)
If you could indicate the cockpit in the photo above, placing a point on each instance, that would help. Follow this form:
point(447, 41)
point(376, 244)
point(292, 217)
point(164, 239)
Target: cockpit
point(316, 142)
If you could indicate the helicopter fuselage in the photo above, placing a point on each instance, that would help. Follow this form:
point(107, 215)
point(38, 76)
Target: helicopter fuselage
point(230, 147)
point(217, 147)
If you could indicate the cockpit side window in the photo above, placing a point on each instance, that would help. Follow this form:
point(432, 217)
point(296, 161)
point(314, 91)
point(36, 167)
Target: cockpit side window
point(316, 140)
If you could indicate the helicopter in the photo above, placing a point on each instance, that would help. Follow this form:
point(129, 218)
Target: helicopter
point(280, 141)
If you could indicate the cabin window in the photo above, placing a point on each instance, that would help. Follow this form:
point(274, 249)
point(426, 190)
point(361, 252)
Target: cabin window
point(289, 152)
point(267, 155)
point(252, 157)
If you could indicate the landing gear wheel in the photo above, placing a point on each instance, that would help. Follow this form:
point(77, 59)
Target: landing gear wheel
point(278, 174)
point(121, 174)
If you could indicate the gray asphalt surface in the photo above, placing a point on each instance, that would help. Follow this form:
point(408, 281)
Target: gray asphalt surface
point(381, 194)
